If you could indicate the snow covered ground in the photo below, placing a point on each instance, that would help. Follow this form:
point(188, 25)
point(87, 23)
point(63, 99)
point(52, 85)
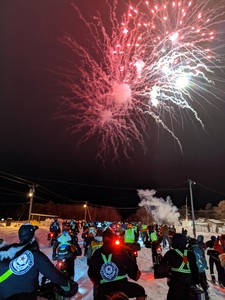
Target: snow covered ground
point(155, 289)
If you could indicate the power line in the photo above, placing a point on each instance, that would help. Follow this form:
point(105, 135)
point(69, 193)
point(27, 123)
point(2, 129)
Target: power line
point(42, 189)
point(86, 184)
point(15, 178)
point(11, 190)
point(210, 189)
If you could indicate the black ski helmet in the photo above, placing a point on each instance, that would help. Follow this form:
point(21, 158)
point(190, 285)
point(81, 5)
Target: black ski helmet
point(26, 232)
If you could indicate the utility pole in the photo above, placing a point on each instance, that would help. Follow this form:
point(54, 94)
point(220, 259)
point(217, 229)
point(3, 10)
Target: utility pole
point(85, 211)
point(186, 212)
point(192, 206)
point(31, 195)
point(89, 214)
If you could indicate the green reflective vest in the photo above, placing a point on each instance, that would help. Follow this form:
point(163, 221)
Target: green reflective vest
point(153, 236)
point(129, 236)
point(185, 266)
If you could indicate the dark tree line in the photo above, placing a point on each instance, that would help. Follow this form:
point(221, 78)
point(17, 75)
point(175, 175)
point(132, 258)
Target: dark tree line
point(68, 211)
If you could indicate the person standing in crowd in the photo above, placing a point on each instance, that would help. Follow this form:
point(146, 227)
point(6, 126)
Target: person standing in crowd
point(66, 247)
point(109, 268)
point(96, 243)
point(74, 226)
point(130, 235)
point(197, 246)
point(219, 247)
point(180, 268)
point(55, 227)
point(130, 238)
point(172, 231)
point(144, 229)
point(153, 239)
point(20, 265)
point(165, 236)
point(213, 256)
point(88, 235)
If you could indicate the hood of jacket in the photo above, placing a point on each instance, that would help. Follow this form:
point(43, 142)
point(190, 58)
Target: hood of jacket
point(8, 252)
point(98, 238)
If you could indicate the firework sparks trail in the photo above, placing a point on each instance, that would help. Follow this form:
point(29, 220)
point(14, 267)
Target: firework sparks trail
point(153, 61)
point(180, 63)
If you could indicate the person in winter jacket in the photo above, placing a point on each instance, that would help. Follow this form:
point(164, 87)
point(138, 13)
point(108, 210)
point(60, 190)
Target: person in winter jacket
point(179, 266)
point(108, 270)
point(197, 246)
point(165, 236)
point(66, 247)
point(153, 239)
point(20, 265)
point(96, 243)
point(131, 237)
point(55, 227)
point(130, 234)
point(88, 235)
point(74, 226)
point(219, 247)
point(213, 256)
point(144, 229)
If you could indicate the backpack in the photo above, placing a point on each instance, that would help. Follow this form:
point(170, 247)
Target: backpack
point(222, 260)
point(200, 258)
point(54, 226)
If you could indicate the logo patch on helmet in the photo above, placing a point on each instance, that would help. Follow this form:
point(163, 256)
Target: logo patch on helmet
point(109, 271)
point(22, 264)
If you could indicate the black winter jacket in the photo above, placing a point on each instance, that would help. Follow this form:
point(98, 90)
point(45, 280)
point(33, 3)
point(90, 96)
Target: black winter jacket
point(124, 262)
point(172, 259)
point(25, 262)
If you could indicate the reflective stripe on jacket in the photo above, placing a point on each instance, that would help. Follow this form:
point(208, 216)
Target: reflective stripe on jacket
point(114, 278)
point(185, 266)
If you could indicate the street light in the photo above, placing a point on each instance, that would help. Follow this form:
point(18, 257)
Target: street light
point(192, 206)
point(31, 195)
point(85, 211)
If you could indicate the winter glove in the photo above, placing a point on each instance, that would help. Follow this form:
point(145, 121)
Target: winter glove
point(69, 290)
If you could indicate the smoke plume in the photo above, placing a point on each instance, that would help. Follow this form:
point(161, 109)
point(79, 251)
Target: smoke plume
point(163, 211)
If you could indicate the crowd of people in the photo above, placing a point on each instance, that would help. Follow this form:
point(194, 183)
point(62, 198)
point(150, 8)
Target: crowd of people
point(111, 250)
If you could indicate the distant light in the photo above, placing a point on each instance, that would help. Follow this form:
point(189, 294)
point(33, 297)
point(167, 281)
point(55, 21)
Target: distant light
point(30, 194)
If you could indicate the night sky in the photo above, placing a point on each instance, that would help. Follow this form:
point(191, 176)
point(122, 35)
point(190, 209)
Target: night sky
point(36, 145)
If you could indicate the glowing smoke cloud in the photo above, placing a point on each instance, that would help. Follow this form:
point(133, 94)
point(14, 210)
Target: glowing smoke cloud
point(153, 62)
point(163, 211)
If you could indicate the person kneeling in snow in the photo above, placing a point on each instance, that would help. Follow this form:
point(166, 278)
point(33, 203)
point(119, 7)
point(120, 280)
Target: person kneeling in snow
point(20, 265)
